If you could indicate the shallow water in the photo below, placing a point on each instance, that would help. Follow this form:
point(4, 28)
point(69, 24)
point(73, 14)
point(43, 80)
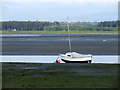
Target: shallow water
point(113, 59)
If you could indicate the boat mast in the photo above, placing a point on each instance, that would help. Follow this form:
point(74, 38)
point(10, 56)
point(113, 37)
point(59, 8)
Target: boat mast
point(68, 33)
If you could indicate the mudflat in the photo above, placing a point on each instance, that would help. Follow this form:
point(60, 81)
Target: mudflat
point(53, 44)
point(28, 75)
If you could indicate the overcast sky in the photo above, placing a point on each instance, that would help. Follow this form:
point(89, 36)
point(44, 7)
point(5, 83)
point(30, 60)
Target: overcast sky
point(58, 10)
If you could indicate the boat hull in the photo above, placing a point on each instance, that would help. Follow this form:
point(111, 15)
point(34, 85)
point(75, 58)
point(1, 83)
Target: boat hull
point(66, 61)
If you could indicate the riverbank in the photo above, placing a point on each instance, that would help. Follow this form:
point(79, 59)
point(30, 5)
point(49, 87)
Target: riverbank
point(56, 32)
point(26, 75)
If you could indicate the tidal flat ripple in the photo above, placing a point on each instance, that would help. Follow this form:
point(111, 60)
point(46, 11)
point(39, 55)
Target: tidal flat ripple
point(53, 44)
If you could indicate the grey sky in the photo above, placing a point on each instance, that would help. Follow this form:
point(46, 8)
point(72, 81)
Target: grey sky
point(58, 11)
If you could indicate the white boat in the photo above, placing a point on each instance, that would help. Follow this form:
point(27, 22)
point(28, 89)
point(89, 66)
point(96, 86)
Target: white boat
point(73, 57)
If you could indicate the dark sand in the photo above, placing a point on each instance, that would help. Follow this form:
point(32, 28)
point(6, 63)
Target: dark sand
point(52, 44)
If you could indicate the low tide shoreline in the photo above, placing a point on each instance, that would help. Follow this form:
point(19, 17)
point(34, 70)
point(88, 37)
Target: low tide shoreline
point(24, 75)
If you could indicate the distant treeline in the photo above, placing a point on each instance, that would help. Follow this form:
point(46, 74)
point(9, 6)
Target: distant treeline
point(28, 25)
point(57, 26)
point(108, 24)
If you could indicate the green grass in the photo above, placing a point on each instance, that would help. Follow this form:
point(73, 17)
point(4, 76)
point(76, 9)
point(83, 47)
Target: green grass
point(63, 82)
point(57, 32)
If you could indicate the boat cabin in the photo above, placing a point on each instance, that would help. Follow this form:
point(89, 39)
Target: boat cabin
point(68, 54)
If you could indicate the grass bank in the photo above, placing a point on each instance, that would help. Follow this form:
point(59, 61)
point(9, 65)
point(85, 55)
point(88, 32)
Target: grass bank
point(22, 75)
point(57, 32)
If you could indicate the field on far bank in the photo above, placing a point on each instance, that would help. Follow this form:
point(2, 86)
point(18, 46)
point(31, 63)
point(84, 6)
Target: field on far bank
point(56, 32)
point(26, 75)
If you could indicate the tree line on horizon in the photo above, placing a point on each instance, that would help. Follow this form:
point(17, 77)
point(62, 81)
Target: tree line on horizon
point(28, 25)
point(56, 26)
point(108, 24)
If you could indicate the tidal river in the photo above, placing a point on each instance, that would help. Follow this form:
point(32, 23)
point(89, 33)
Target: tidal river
point(44, 48)
point(108, 59)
